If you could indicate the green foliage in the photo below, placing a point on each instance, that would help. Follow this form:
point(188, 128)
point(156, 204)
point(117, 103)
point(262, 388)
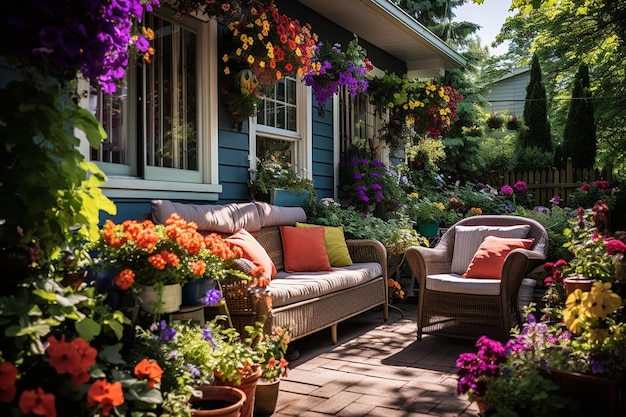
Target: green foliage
point(495, 121)
point(555, 220)
point(272, 173)
point(537, 133)
point(532, 158)
point(579, 137)
point(428, 153)
point(496, 153)
point(47, 187)
point(463, 159)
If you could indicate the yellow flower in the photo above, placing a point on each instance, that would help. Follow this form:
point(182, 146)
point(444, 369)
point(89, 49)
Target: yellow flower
point(573, 314)
point(238, 52)
point(226, 70)
point(262, 64)
point(601, 300)
point(244, 46)
point(250, 59)
point(414, 195)
point(225, 58)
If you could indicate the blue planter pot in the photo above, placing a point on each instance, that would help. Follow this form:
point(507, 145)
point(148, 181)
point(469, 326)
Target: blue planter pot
point(281, 197)
point(194, 292)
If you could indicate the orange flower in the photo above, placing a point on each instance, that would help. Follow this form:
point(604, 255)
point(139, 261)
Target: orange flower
point(8, 376)
point(198, 267)
point(37, 402)
point(106, 394)
point(150, 370)
point(125, 279)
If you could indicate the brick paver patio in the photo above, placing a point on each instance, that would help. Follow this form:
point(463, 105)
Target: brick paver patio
point(375, 369)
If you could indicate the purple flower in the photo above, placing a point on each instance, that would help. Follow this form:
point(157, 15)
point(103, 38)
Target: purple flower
point(194, 371)
point(212, 297)
point(375, 174)
point(480, 186)
point(597, 367)
point(506, 190)
point(167, 333)
point(510, 207)
point(404, 179)
point(357, 176)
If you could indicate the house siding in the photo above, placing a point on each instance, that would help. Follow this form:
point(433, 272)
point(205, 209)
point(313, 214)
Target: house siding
point(233, 144)
point(509, 94)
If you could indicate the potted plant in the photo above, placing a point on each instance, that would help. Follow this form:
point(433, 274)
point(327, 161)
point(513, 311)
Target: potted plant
point(426, 213)
point(332, 68)
point(271, 44)
point(161, 257)
point(271, 349)
point(272, 178)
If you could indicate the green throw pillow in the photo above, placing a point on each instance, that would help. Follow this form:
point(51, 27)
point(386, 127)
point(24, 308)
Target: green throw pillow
point(335, 243)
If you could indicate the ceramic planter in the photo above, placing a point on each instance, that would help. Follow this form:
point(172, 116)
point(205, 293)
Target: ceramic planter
point(248, 386)
point(282, 197)
point(170, 300)
point(266, 397)
point(574, 283)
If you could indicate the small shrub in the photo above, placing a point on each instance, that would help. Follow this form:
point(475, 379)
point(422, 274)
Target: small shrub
point(495, 121)
point(513, 123)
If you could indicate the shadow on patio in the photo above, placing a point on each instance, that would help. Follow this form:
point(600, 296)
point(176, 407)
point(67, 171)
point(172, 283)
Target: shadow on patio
point(376, 369)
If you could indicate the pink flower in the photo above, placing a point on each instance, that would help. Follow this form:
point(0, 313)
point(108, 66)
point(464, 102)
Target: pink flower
point(614, 246)
point(556, 200)
point(585, 187)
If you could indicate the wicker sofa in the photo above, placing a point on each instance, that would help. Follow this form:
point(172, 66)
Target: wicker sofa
point(306, 302)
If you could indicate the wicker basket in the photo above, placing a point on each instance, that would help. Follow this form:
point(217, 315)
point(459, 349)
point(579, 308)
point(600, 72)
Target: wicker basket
point(246, 304)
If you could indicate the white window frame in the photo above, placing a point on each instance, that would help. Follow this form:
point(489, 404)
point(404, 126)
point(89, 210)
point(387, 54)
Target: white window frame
point(302, 138)
point(123, 181)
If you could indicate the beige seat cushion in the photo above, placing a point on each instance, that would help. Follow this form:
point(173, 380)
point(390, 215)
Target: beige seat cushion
point(288, 288)
point(467, 240)
point(455, 283)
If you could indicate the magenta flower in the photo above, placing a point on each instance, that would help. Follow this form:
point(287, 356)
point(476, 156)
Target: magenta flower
point(506, 190)
point(520, 186)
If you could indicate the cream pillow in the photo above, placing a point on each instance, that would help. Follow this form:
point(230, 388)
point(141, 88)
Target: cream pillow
point(467, 240)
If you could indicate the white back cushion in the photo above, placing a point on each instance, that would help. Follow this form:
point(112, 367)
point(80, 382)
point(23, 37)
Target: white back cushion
point(467, 239)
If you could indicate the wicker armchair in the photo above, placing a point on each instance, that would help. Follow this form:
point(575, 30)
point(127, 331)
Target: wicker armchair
point(450, 305)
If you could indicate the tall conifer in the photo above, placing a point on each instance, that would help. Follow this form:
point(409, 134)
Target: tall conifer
point(579, 136)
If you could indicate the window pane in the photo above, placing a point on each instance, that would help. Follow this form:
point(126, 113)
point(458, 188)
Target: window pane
point(279, 108)
point(281, 150)
point(111, 110)
point(171, 98)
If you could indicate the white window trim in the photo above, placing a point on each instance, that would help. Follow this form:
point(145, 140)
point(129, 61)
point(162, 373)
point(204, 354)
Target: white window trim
point(302, 138)
point(128, 186)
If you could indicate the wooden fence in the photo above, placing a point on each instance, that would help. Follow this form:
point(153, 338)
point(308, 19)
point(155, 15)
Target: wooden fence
point(549, 183)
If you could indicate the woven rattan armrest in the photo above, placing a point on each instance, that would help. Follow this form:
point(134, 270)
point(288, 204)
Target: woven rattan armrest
point(368, 250)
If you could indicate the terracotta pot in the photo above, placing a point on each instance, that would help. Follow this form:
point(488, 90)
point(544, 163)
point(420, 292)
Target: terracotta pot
point(248, 386)
point(266, 397)
point(217, 401)
point(574, 283)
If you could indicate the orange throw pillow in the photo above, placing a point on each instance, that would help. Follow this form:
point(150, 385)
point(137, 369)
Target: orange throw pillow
point(253, 251)
point(490, 256)
point(304, 249)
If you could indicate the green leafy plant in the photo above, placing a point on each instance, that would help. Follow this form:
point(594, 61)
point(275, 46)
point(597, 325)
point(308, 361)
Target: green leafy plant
point(62, 348)
point(271, 173)
point(423, 211)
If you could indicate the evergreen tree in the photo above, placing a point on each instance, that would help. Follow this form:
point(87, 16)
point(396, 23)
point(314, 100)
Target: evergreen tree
point(579, 137)
point(537, 132)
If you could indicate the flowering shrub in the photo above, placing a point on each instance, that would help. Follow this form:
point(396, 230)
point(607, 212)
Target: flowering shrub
point(92, 36)
point(68, 359)
point(331, 68)
point(518, 194)
point(365, 182)
point(172, 253)
point(271, 44)
point(589, 193)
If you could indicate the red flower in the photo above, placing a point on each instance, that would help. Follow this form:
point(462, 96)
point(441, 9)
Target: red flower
point(87, 354)
point(614, 246)
point(150, 370)
point(63, 356)
point(37, 402)
point(106, 394)
point(125, 279)
point(8, 376)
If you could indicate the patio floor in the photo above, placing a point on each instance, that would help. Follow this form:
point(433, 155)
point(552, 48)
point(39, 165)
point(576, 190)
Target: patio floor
point(376, 369)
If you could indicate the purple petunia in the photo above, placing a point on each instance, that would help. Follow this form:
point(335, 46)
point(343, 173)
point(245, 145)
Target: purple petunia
point(212, 297)
point(167, 333)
